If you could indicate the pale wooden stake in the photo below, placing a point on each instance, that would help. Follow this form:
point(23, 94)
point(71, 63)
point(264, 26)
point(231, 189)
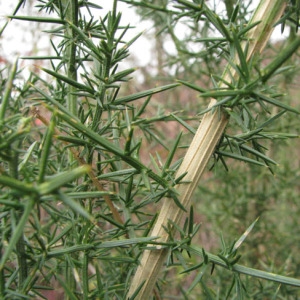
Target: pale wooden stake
point(201, 149)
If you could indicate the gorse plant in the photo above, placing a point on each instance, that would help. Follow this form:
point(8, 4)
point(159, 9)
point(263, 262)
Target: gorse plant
point(80, 209)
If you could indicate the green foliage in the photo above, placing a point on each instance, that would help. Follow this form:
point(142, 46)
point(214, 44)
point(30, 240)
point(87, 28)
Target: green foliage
point(79, 192)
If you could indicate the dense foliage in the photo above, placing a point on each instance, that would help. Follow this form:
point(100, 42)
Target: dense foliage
point(88, 154)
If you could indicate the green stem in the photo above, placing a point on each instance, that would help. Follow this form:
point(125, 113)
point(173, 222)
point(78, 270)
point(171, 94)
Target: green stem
point(85, 277)
point(69, 276)
point(2, 276)
point(20, 245)
point(98, 111)
point(229, 7)
point(7, 91)
point(17, 233)
point(281, 59)
point(121, 188)
point(71, 8)
point(245, 270)
point(21, 253)
point(71, 14)
point(106, 65)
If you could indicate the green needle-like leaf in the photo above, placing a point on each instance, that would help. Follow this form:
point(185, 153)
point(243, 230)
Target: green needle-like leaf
point(258, 154)
point(171, 156)
point(17, 232)
point(38, 19)
point(275, 102)
point(242, 58)
point(66, 79)
point(61, 179)
point(193, 86)
point(7, 92)
point(126, 242)
point(17, 185)
point(239, 242)
point(74, 205)
point(240, 157)
point(144, 94)
point(46, 146)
